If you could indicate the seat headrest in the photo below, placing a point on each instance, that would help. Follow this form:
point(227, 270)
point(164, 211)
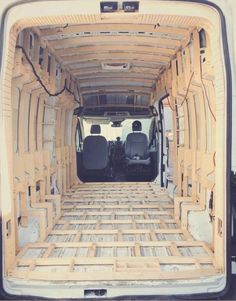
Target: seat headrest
point(95, 129)
point(137, 126)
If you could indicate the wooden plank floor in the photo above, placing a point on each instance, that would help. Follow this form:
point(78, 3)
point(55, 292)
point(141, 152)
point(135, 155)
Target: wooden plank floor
point(116, 231)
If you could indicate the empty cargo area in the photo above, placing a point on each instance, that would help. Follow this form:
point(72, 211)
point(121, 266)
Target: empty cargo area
point(116, 232)
point(113, 149)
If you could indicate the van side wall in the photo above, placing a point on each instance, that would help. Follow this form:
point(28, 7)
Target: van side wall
point(191, 83)
point(44, 158)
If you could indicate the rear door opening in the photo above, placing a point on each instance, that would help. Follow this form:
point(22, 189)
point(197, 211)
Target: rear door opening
point(114, 154)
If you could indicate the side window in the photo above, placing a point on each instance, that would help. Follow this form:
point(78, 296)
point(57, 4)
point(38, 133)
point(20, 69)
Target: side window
point(183, 61)
point(58, 75)
point(153, 134)
point(49, 64)
point(209, 121)
point(16, 107)
point(191, 51)
point(203, 45)
point(189, 127)
point(180, 125)
point(68, 127)
point(31, 45)
point(27, 122)
point(78, 138)
point(197, 118)
point(41, 53)
point(49, 136)
point(35, 124)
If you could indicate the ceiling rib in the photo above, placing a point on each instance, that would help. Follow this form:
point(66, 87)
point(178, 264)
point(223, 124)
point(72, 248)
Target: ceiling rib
point(125, 27)
point(113, 79)
point(116, 56)
point(107, 75)
point(116, 83)
point(140, 70)
point(97, 63)
point(103, 89)
point(149, 49)
point(117, 39)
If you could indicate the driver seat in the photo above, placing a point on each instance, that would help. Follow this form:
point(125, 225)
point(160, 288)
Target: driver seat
point(95, 150)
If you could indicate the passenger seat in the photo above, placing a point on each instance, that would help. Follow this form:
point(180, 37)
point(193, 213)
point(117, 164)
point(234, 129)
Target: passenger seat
point(136, 146)
point(95, 150)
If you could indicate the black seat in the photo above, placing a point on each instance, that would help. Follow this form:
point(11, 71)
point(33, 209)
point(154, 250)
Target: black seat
point(136, 146)
point(95, 150)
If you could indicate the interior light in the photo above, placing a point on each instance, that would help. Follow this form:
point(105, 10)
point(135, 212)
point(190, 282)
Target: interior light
point(108, 7)
point(130, 6)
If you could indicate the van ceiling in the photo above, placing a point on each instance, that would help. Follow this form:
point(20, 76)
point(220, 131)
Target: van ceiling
point(123, 57)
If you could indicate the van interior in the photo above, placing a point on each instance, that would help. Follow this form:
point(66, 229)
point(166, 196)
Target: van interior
point(115, 150)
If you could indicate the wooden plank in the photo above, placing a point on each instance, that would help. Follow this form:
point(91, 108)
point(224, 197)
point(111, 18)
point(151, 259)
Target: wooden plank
point(119, 235)
point(111, 207)
point(108, 213)
point(97, 70)
point(121, 200)
point(117, 187)
point(137, 251)
point(49, 251)
point(124, 231)
point(92, 250)
point(119, 87)
point(114, 39)
point(174, 249)
point(117, 244)
point(113, 81)
point(111, 260)
point(116, 75)
point(172, 30)
point(99, 276)
point(66, 225)
point(78, 58)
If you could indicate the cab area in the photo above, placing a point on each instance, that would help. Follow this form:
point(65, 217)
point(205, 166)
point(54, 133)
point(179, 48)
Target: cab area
point(117, 140)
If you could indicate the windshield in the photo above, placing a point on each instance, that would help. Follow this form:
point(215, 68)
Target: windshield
point(110, 133)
